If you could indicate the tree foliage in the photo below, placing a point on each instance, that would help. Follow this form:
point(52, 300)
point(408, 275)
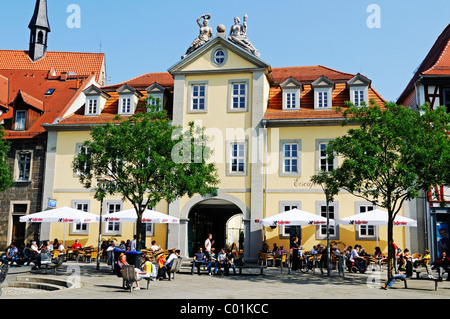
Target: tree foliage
point(146, 159)
point(6, 174)
point(389, 155)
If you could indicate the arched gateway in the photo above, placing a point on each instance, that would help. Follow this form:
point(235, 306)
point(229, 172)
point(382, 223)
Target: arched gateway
point(225, 217)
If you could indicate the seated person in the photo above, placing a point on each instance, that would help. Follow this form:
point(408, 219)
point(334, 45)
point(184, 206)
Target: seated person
point(314, 250)
point(122, 261)
point(443, 264)
point(146, 268)
point(76, 245)
point(11, 254)
point(199, 259)
point(154, 247)
point(166, 264)
point(212, 263)
point(400, 275)
point(423, 261)
point(221, 262)
point(230, 263)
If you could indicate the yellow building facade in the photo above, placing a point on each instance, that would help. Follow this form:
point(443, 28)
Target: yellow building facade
point(267, 129)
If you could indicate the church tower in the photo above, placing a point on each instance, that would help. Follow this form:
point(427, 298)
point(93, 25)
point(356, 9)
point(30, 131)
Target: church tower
point(40, 28)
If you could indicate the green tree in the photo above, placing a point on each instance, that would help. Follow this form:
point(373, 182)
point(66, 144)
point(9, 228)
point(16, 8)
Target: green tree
point(389, 156)
point(147, 160)
point(6, 174)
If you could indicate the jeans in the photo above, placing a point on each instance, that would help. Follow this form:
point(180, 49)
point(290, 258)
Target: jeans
point(196, 264)
point(391, 281)
point(6, 259)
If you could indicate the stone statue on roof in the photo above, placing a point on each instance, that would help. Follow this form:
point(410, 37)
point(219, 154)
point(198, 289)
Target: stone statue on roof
point(238, 35)
point(205, 35)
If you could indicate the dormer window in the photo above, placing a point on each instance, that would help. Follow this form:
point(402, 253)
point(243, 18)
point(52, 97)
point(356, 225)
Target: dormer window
point(92, 107)
point(291, 94)
point(128, 99)
point(359, 90)
point(95, 100)
point(156, 93)
point(125, 105)
point(21, 118)
point(323, 93)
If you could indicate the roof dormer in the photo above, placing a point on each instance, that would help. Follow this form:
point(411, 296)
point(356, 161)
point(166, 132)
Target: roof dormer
point(359, 89)
point(156, 95)
point(323, 93)
point(95, 100)
point(292, 90)
point(128, 99)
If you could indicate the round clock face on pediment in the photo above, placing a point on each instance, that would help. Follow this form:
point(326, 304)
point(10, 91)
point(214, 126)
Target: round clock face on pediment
point(219, 56)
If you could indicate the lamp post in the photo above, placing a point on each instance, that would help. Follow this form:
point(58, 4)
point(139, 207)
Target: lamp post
point(101, 184)
point(328, 234)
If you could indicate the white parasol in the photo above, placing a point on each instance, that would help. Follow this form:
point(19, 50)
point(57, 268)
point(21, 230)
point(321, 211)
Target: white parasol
point(149, 216)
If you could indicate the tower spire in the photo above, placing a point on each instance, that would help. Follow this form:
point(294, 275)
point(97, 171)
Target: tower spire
point(39, 28)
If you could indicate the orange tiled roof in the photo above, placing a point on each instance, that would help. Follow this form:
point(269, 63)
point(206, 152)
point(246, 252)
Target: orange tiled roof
point(110, 110)
point(306, 75)
point(32, 86)
point(144, 81)
point(437, 62)
point(77, 62)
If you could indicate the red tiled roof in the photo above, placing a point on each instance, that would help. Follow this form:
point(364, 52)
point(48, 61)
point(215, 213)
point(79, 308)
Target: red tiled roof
point(144, 81)
point(437, 62)
point(306, 75)
point(110, 110)
point(32, 86)
point(28, 99)
point(77, 62)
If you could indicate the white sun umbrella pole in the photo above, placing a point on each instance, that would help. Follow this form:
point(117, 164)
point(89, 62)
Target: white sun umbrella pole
point(64, 215)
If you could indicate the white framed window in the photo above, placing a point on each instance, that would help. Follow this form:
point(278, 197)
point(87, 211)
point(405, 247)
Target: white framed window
point(92, 107)
point(290, 157)
point(365, 232)
point(358, 97)
point(322, 99)
point(156, 100)
point(238, 96)
point(80, 228)
point(291, 99)
point(324, 163)
point(78, 149)
point(198, 95)
point(284, 207)
point(333, 214)
point(21, 119)
point(112, 227)
point(237, 158)
point(291, 91)
point(23, 166)
point(125, 105)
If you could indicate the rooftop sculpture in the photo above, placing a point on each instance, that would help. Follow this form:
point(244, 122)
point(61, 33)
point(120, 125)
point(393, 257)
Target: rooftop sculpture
point(205, 35)
point(238, 35)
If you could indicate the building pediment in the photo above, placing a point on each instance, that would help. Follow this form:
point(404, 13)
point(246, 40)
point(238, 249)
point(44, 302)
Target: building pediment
point(202, 60)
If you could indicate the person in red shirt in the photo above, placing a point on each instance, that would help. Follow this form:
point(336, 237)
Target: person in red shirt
point(76, 245)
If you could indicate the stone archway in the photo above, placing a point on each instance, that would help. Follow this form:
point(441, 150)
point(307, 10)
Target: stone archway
point(206, 215)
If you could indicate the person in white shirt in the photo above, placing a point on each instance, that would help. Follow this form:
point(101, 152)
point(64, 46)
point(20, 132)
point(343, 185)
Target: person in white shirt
point(133, 244)
point(208, 245)
point(154, 246)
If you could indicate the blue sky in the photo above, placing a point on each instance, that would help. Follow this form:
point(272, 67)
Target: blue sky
point(140, 36)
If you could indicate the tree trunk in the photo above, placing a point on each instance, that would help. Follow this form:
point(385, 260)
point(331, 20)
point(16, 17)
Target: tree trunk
point(138, 231)
point(391, 250)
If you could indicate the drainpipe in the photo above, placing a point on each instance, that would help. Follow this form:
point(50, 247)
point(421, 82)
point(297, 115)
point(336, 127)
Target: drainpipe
point(264, 122)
